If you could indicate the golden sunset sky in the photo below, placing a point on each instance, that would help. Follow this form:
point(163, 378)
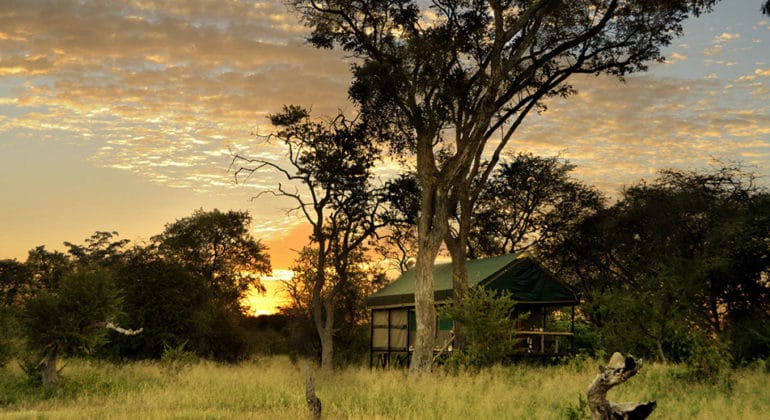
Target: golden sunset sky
point(124, 115)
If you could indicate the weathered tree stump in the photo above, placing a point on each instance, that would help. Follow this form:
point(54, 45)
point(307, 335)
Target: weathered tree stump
point(617, 371)
point(313, 402)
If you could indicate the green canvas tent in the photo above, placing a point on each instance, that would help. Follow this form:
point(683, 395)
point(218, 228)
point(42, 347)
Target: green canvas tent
point(536, 291)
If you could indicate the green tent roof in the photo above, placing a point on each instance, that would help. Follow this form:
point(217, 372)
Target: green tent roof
point(517, 273)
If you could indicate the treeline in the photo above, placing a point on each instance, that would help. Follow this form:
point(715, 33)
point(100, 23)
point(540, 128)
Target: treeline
point(677, 269)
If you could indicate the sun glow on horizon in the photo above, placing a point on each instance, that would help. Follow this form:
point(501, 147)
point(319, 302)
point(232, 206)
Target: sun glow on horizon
point(274, 296)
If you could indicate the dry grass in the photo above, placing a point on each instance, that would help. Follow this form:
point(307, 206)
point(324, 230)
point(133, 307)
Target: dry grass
point(274, 388)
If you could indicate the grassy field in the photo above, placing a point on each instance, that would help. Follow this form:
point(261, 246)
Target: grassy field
point(273, 388)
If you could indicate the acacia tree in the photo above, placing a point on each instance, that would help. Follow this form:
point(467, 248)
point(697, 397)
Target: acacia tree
point(529, 202)
point(332, 165)
point(453, 73)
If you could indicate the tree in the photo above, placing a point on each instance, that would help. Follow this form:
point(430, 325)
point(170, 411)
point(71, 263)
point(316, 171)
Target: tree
point(452, 77)
point(397, 241)
point(47, 268)
point(489, 323)
point(529, 202)
point(332, 164)
point(72, 318)
point(218, 247)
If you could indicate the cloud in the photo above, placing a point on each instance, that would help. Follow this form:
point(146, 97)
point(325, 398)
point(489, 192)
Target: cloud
point(675, 58)
point(162, 87)
point(168, 90)
point(726, 36)
point(619, 133)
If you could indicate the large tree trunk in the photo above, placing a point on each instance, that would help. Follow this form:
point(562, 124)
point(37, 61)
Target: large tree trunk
point(432, 226)
point(459, 285)
point(49, 374)
point(425, 312)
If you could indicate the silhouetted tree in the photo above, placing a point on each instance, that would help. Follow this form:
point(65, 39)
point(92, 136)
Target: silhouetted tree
point(15, 283)
point(397, 240)
point(349, 303)
point(102, 249)
point(218, 247)
point(329, 170)
point(47, 268)
point(174, 306)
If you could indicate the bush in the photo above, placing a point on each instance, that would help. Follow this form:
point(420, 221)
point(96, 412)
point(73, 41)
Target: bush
point(489, 326)
point(175, 359)
point(709, 360)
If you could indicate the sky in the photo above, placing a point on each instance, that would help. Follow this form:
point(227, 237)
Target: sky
point(124, 115)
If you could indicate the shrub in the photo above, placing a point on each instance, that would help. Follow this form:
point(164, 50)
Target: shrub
point(489, 327)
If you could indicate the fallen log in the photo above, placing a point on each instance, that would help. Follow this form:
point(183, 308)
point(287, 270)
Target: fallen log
point(618, 370)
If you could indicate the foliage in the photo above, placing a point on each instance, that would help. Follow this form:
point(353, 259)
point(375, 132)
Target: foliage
point(708, 359)
point(489, 326)
point(397, 240)
point(15, 284)
point(100, 250)
point(71, 316)
point(218, 247)
point(170, 303)
point(176, 358)
point(46, 268)
point(9, 328)
point(578, 411)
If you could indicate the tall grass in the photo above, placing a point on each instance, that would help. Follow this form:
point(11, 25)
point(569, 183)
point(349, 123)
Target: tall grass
point(273, 388)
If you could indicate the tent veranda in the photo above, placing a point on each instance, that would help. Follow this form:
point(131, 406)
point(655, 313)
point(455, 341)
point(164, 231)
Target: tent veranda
point(536, 292)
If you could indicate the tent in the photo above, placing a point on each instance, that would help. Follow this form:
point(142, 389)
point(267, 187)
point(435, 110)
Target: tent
point(537, 293)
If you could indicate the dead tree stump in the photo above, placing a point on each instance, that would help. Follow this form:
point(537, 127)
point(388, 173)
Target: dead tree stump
point(313, 402)
point(617, 371)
